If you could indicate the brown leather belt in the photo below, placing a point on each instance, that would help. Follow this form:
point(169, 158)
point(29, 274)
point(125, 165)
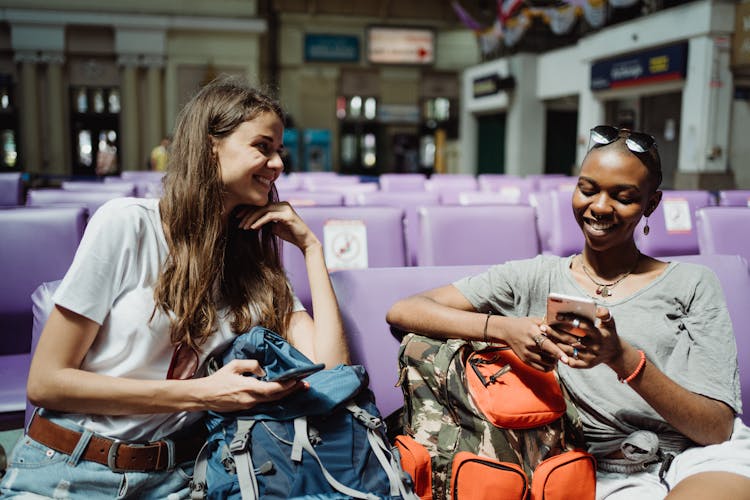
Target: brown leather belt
point(120, 456)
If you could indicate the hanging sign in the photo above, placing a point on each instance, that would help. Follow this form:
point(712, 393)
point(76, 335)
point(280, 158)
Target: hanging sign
point(331, 48)
point(653, 66)
point(345, 244)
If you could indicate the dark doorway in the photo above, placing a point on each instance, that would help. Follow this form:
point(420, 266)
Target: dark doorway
point(560, 150)
point(491, 145)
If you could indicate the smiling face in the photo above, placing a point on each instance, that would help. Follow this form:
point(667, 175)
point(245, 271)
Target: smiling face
point(614, 191)
point(250, 160)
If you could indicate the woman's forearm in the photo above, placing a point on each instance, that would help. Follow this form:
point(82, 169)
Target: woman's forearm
point(78, 391)
point(702, 419)
point(329, 342)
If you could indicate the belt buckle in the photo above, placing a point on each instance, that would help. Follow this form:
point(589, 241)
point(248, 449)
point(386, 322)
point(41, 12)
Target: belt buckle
point(112, 456)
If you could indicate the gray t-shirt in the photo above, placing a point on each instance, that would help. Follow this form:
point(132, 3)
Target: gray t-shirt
point(680, 320)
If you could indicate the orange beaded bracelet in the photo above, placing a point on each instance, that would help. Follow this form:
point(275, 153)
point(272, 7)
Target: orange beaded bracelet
point(638, 369)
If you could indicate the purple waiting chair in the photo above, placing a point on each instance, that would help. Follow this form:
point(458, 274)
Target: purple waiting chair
point(92, 200)
point(557, 228)
point(365, 295)
point(469, 235)
point(408, 202)
point(11, 189)
point(449, 186)
point(352, 237)
point(734, 198)
point(724, 230)
point(672, 224)
point(312, 198)
point(402, 182)
point(38, 246)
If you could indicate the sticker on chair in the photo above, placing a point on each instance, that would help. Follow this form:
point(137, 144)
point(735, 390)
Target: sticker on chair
point(345, 244)
point(677, 215)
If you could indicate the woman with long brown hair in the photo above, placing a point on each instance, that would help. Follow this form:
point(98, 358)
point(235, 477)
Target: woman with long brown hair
point(155, 288)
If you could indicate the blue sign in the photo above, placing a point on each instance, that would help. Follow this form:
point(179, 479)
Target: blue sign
point(653, 66)
point(317, 149)
point(331, 48)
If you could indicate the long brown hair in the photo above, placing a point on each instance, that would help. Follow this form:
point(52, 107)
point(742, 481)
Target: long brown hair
point(212, 263)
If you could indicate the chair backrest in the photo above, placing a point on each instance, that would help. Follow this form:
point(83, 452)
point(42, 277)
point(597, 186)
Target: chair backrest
point(724, 230)
point(38, 245)
point(408, 202)
point(312, 198)
point(491, 182)
point(489, 198)
point(732, 271)
point(672, 224)
point(365, 295)
point(61, 197)
point(735, 198)
point(556, 183)
point(140, 175)
point(402, 182)
point(449, 186)
point(123, 187)
point(558, 230)
point(352, 237)
point(456, 235)
point(11, 189)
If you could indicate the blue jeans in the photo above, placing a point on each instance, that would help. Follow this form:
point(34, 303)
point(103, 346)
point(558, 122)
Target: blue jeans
point(36, 471)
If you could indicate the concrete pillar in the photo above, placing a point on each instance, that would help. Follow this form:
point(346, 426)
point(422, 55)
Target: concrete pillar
point(153, 120)
point(590, 114)
point(56, 154)
point(129, 124)
point(525, 122)
point(31, 158)
point(706, 112)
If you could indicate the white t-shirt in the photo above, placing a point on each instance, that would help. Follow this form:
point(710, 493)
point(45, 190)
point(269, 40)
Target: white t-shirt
point(111, 282)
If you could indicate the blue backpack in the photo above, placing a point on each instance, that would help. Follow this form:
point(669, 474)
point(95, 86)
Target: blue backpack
point(324, 443)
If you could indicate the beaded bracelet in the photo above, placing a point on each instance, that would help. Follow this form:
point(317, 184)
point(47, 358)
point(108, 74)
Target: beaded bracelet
point(638, 369)
point(486, 322)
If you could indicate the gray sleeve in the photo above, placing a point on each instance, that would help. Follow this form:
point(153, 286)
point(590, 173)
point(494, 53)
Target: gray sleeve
point(510, 289)
point(710, 364)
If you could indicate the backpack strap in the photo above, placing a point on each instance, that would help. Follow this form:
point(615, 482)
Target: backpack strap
point(302, 442)
point(199, 485)
point(244, 461)
point(391, 465)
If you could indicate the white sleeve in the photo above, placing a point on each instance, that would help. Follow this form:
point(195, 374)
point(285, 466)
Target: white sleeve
point(108, 248)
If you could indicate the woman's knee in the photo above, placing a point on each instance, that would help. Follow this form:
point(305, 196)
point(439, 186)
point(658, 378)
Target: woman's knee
point(717, 485)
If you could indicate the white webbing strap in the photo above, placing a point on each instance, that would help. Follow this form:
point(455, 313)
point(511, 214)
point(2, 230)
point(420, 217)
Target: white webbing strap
point(198, 486)
point(387, 460)
point(243, 460)
point(301, 437)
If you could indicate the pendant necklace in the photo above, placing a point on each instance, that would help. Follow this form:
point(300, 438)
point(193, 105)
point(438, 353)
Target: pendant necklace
point(605, 289)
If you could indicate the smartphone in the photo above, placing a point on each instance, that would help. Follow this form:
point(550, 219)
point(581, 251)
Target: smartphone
point(558, 303)
point(295, 373)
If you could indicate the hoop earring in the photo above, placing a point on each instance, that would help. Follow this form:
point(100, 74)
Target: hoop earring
point(646, 229)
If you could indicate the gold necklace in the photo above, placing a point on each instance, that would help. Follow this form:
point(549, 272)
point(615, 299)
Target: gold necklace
point(605, 289)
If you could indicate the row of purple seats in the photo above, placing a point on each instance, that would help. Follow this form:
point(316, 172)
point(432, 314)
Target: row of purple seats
point(38, 246)
point(365, 295)
point(91, 200)
point(11, 189)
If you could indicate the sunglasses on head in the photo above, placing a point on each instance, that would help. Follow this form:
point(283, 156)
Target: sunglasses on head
point(637, 142)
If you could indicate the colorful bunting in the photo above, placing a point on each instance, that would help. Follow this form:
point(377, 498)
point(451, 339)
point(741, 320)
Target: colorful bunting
point(513, 21)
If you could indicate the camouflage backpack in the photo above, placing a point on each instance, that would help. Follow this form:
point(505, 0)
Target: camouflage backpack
point(468, 453)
